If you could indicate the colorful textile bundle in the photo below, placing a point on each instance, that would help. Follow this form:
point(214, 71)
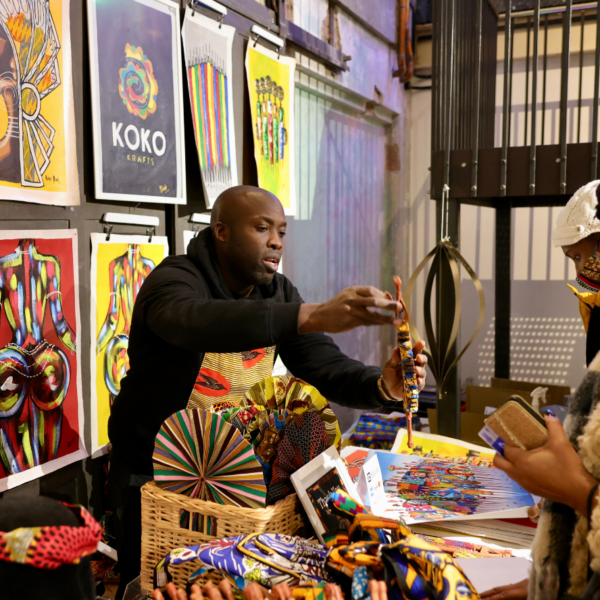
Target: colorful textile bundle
point(283, 392)
point(373, 548)
point(378, 432)
point(303, 439)
point(50, 547)
point(265, 558)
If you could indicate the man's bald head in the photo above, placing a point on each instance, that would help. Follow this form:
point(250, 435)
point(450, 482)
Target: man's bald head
point(242, 201)
point(248, 226)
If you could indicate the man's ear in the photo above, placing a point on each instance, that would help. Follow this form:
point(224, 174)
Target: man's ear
point(220, 232)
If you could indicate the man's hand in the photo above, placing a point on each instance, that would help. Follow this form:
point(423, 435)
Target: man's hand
point(393, 379)
point(515, 591)
point(554, 471)
point(351, 308)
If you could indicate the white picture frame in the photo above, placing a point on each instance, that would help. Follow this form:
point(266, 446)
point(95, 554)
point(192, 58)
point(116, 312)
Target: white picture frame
point(316, 470)
point(143, 134)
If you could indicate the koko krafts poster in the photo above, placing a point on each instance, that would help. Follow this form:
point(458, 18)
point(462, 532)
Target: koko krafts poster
point(137, 101)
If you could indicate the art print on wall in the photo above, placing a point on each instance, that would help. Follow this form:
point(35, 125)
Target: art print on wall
point(41, 407)
point(207, 55)
point(120, 266)
point(271, 86)
point(38, 161)
point(137, 100)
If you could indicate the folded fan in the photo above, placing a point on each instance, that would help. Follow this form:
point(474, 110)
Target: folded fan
point(283, 392)
point(199, 454)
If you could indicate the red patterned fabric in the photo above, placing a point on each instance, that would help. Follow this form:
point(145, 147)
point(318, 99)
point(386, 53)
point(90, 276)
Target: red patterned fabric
point(303, 439)
point(50, 547)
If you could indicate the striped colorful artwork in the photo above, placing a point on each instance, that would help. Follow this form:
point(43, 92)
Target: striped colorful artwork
point(207, 49)
point(209, 98)
point(199, 454)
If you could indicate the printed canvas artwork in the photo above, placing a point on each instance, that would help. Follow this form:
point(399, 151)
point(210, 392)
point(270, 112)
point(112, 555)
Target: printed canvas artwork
point(207, 55)
point(421, 489)
point(429, 445)
point(120, 266)
point(271, 87)
point(137, 100)
point(41, 410)
point(38, 160)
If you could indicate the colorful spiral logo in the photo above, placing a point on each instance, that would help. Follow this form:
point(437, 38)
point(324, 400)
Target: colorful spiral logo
point(137, 85)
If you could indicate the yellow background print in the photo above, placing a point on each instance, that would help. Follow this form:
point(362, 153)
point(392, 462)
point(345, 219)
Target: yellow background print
point(106, 254)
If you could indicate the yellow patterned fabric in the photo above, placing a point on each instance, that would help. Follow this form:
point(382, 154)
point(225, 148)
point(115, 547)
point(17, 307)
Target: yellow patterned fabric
point(224, 378)
point(296, 395)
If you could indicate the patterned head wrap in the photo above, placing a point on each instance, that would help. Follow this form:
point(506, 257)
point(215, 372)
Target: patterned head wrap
point(51, 547)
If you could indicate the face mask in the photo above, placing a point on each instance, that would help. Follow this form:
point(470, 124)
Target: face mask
point(589, 278)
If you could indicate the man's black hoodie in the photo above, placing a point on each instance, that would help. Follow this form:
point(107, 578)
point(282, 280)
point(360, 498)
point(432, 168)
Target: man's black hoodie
point(182, 311)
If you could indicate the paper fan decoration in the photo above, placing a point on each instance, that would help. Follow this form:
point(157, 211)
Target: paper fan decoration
point(199, 454)
point(297, 396)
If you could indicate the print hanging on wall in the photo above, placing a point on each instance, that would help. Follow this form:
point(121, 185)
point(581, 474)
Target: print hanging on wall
point(120, 266)
point(271, 87)
point(137, 100)
point(38, 161)
point(207, 55)
point(41, 409)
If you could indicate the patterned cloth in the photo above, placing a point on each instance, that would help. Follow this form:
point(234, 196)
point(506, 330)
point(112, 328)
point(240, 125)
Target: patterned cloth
point(303, 439)
point(283, 392)
point(225, 377)
point(379, 431)
point(265, 558)
point(50, 547)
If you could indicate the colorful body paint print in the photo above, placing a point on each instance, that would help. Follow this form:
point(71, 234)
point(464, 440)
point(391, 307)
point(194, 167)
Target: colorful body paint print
point(271, 87)
point(419, 489)
point(40, 390)
point(119, 268)
point(207, 53)
point(37, 128)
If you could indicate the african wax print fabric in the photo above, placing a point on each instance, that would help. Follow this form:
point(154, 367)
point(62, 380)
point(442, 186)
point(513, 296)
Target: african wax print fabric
point(379, 431)
point(50, 547)
point(283, 392)
point(303, 439)
point(266, 558)
point(225, 377)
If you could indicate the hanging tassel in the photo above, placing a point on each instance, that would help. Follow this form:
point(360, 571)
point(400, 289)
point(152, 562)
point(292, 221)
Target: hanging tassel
point(411, 388)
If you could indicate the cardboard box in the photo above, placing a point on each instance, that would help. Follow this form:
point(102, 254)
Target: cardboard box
point(478, 399)
point(555, 394)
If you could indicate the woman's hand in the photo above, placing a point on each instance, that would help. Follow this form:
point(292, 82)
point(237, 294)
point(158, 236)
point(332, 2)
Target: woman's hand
point(516, 591)
point(553, 471)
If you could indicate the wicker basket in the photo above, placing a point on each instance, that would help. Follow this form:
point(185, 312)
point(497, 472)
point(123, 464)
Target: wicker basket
point(161, 530)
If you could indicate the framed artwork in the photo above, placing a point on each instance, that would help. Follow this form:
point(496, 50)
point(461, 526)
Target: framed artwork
point(207, 54)
point(315, 481)
point(120, 266)
point(137, 100)
point(41, 406)
point(271, 87)
point(38, 161)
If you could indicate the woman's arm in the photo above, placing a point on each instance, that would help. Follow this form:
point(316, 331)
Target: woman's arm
point(554, 471)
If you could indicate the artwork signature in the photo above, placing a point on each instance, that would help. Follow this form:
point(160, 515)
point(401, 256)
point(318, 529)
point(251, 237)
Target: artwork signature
point(163, 189)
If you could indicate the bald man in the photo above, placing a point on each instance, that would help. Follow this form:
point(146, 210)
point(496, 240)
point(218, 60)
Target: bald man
point(208, 325)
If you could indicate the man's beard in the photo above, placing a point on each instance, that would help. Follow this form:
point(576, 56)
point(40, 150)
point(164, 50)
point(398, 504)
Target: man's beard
point(249, 269)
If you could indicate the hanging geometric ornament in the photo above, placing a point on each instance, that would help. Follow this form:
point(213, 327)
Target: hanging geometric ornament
point(443, 257)
point(198, 454)
point(283, 392)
